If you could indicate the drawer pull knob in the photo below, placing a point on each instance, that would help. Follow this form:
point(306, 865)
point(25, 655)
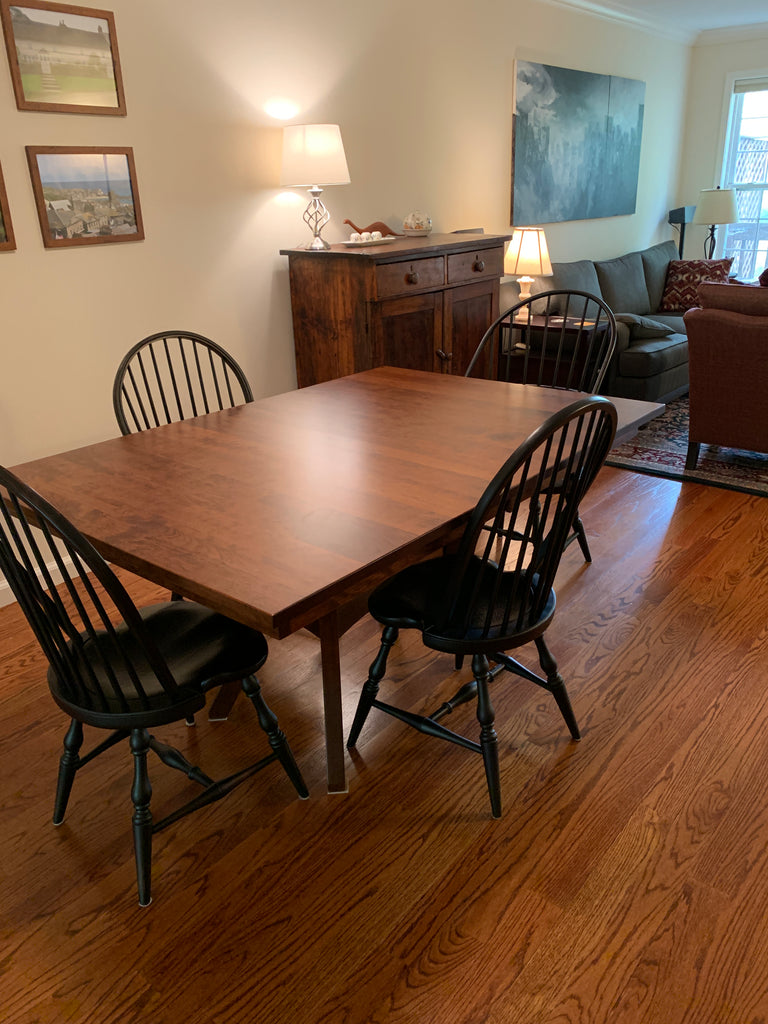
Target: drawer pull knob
point(412, 277)
point(479, 266)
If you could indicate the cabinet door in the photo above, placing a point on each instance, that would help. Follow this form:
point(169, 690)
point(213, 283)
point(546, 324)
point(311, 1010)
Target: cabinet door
point(408, 332)
point(468, 312)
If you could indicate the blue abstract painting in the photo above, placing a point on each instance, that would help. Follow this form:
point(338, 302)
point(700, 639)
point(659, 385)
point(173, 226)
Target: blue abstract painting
point(576, 148)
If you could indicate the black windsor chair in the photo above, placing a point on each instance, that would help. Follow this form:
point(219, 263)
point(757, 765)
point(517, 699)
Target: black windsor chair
point(556, 339)
point(174, 375)
point(115, 667)
point(495, 593)
point(171, 376)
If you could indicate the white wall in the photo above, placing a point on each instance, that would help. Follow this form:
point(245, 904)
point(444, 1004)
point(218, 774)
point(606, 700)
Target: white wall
point(714, 58)
point(423, 92)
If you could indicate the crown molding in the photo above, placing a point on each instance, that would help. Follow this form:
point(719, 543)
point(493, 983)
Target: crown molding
point(656, 27)
point(734, 34)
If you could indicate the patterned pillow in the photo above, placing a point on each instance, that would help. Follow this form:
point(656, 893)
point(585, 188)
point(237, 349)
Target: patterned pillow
point(683, 279)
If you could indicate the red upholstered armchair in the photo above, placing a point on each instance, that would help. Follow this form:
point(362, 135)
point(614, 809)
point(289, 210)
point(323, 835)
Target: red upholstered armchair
point(728, 366)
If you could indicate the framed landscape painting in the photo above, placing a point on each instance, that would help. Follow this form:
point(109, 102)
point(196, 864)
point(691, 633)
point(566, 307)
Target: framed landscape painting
point(85, 195)
point(7, 241)
point(63, 58)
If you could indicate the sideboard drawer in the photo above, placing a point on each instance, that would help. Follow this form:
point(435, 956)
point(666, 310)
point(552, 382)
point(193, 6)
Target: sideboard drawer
point(409, 276)
point(474, 266)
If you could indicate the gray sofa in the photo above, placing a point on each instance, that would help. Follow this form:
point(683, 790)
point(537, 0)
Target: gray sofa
point(651, 357)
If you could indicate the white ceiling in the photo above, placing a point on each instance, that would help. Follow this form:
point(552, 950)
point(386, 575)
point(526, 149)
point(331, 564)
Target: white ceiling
point(684, 18)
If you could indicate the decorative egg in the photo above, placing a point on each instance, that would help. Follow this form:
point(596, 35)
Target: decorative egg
point(355, 236)
point(365, 236)
point(376, 236)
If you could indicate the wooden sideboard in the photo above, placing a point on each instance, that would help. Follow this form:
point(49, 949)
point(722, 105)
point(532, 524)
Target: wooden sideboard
point(419, 303)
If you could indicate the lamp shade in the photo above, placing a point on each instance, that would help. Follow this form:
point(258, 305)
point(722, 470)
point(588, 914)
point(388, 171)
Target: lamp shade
point(527, 253)
point(313, 154)
point(716, 206)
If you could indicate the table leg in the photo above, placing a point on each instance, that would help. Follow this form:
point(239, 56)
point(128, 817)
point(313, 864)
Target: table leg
point(222, 703)
point(328, 630)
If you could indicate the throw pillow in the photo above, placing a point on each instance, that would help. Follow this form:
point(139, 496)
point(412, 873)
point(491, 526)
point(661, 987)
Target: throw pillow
point(642, 327)
point(684, 278)
point(763, 279)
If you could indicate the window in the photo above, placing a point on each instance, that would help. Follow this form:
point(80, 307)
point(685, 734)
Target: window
point(746, 170)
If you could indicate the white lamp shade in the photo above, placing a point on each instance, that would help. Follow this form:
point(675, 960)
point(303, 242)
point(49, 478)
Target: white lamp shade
point(527, 254)
point(716, 206)
point(313, 154)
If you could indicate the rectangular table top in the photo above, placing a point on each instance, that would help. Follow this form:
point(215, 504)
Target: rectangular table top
point(276, 512)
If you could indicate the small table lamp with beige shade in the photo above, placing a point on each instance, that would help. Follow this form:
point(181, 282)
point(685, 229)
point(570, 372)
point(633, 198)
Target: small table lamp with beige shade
point(313, 155)
point(527, 257)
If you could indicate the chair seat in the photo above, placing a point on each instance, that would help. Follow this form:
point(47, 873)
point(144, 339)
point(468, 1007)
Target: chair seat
point(415, 599)
point(202, 648)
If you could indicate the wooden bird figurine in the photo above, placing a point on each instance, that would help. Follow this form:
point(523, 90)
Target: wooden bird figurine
point(377, 225)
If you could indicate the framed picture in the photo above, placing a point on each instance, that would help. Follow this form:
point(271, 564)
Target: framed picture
point(63, 58)
point(85, 195)
point(7, 241)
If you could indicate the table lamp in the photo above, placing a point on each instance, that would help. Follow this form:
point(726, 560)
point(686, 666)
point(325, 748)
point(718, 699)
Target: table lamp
point(527, 256)
point(715, 206)
point(313, 155)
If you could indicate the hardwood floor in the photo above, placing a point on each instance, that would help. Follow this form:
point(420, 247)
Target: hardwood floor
point(627, 881)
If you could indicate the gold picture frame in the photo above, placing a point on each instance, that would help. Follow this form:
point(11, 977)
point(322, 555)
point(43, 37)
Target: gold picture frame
point(63, 58)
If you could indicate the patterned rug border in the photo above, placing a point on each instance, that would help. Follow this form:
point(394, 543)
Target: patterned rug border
point(660, 450)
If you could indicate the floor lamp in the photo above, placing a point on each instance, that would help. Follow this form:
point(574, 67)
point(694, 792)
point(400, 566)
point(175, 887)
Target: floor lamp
point(715, 206)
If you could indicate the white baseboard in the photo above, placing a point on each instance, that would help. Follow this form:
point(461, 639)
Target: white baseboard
point(6, 594)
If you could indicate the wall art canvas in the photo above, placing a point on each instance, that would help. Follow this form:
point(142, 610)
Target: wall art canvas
point(63, 58)
point(85, 195)
point(576, 144)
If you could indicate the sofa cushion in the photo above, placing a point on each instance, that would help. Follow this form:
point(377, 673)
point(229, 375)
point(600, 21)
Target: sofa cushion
point(655, 262)
point(577, 276)
point(684, 278)
point(739, 298)
point(673, 320)
point(641, 327)
point(653, 356)
point(622, 283)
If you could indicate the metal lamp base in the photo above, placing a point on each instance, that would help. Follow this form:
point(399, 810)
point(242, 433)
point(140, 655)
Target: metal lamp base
point(316, 216)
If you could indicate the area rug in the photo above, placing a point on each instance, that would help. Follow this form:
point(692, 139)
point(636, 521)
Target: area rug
point(660, 449)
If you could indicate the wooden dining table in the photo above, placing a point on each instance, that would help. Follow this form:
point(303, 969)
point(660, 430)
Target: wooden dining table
point(285, 513)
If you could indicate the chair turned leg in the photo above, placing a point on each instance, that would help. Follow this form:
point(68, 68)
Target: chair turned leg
point(557, 687)
point(68, 765)
point(276, 736)
point(692, 455)
point(141, 794)
point(581, 537)
point(488, 741)
point(371, 688)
